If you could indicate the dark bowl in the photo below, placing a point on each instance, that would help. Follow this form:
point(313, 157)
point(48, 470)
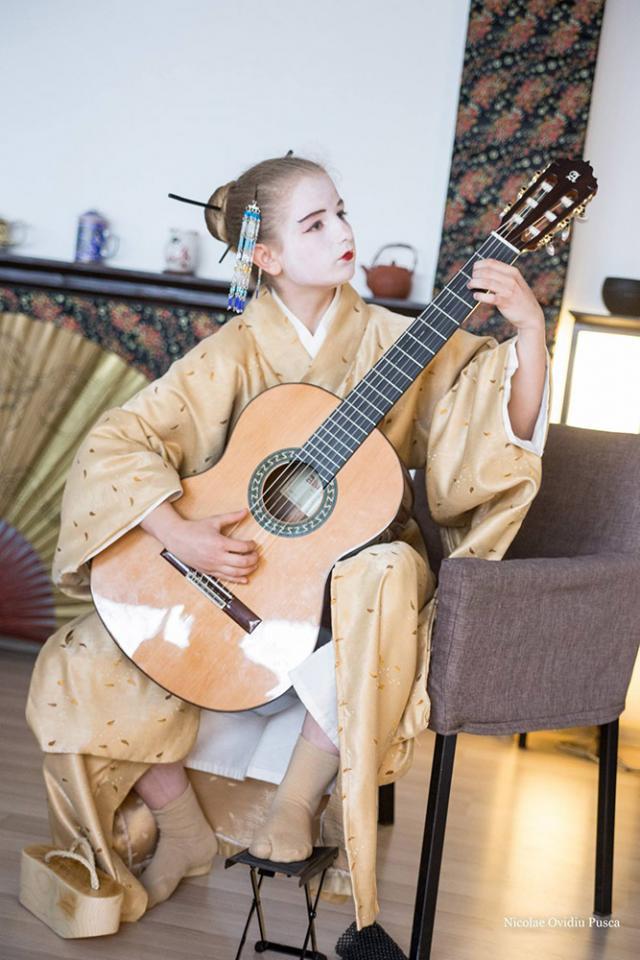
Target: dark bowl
point(621, 295)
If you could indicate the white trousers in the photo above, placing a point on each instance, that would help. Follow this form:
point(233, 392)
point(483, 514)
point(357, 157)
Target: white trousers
point(258, 743)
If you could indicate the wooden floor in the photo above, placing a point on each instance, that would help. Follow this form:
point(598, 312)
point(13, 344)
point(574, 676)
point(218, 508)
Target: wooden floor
point(520, 844)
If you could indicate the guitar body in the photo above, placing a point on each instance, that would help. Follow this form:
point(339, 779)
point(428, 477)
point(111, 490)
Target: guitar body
point(239, 657)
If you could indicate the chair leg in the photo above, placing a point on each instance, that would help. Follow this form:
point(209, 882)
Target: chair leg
point(522, 741)
point(607, 771)
point(386, 803)
point(432, 844)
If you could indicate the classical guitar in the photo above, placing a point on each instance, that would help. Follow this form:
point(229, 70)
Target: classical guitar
point(320, 481)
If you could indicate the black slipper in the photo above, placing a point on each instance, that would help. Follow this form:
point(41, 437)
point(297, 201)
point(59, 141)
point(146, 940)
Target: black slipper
point(370, 943)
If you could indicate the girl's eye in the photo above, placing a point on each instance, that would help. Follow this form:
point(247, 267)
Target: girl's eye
point(318, 223)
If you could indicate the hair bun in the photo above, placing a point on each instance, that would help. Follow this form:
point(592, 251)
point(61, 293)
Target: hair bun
point(216, 219)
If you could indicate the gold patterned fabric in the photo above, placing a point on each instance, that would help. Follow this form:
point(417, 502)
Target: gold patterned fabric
point(86, 699)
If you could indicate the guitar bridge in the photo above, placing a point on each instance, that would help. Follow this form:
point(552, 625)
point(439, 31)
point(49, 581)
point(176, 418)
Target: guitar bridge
point(211, 588)
point(215, 591)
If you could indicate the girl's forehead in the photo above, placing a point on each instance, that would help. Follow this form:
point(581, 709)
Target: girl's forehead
point(311, 193)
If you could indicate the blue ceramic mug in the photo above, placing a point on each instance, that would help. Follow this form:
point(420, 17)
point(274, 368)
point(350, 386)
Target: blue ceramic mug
point(95, 242)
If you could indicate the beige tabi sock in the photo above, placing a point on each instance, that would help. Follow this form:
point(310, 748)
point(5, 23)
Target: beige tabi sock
point(186, 847)
point(286, 834)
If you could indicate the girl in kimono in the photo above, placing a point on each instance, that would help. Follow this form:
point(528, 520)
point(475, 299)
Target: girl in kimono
point(476, 418)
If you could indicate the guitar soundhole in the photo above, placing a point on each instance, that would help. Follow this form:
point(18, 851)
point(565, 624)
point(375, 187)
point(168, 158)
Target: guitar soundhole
point(286, 495)
point(292, 492)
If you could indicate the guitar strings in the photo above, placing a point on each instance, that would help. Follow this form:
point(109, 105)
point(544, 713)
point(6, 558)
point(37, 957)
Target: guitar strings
point(278, 498)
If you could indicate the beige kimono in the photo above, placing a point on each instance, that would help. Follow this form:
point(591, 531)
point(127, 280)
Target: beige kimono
point(101, 722)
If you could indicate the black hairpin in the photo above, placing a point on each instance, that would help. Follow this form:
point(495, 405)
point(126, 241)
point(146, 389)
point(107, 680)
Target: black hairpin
point(198, 203)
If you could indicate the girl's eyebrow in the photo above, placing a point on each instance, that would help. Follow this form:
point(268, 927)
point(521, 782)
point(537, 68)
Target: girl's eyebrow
point(340, 201)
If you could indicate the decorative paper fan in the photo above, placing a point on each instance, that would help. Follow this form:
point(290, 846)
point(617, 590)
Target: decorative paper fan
point(26, 601)
point(53, 385)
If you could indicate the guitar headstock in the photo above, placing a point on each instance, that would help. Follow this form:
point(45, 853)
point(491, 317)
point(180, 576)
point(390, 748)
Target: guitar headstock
point(548, 204)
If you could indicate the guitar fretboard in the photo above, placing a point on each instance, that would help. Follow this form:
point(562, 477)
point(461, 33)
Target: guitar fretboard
point(366, 405)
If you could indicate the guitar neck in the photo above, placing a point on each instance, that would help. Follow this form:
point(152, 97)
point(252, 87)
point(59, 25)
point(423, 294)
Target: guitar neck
point(366, 405)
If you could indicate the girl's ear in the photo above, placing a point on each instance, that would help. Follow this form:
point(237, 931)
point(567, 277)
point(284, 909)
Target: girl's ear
point(266, 259)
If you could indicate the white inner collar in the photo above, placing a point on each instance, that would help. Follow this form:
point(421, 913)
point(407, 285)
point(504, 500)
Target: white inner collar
point(310, 341)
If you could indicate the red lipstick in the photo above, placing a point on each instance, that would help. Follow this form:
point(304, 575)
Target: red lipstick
point(347, 256)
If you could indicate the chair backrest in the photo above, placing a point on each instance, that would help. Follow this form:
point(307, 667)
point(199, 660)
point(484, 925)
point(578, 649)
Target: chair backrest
point(588, 502)
point(429, 528)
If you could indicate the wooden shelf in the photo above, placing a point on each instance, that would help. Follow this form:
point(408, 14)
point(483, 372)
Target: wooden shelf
point(173, 289)
point(100, 280)
point(606, 320)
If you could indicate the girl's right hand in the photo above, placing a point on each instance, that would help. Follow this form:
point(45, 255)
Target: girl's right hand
point(201, 543)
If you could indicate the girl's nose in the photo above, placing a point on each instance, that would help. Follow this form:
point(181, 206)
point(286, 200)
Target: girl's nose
point(344, 231)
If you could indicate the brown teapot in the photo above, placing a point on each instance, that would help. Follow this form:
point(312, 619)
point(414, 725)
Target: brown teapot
point(390, 281)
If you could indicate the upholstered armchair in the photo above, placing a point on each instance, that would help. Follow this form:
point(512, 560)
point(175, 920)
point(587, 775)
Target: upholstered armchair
point(544, 639)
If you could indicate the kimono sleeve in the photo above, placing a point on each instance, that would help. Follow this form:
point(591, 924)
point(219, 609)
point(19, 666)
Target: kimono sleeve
point(479, 483)
point(135, 455)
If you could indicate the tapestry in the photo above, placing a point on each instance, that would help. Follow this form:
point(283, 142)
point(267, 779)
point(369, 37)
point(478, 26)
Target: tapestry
point(524, 101)
point(148, 336)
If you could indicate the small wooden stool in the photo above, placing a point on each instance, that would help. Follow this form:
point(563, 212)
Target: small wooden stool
point(320, 860)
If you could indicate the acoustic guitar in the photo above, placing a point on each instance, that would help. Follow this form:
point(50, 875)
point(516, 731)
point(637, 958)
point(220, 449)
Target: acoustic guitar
point(320, 482)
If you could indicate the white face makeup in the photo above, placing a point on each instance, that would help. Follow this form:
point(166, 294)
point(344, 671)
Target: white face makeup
point(314, 234)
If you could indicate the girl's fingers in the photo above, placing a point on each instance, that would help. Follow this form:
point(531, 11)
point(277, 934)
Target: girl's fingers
point(242, 546)
point(232, 545)
point(501, 292)
point(504, 269)
point(230, 574)
point(513, 280)
point(492, 280)
point(237, 561)
point(485, 276)
point(485, 297)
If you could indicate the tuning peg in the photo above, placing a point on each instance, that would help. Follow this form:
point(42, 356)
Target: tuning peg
point(551, 250)
point(566, 233)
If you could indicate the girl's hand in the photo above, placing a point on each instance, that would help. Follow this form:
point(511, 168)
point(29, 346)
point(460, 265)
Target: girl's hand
point(510, 293)
point(515, 300)
point(201, 543)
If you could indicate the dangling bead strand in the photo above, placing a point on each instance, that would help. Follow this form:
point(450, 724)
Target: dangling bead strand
point(244, 258)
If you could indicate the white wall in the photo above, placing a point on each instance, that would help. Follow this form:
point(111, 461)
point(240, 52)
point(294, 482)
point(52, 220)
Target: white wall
point(607, 244)
point(113, 105)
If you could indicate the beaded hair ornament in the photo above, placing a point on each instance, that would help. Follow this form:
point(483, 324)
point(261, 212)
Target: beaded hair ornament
point(244, 259)
point(251, 217)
